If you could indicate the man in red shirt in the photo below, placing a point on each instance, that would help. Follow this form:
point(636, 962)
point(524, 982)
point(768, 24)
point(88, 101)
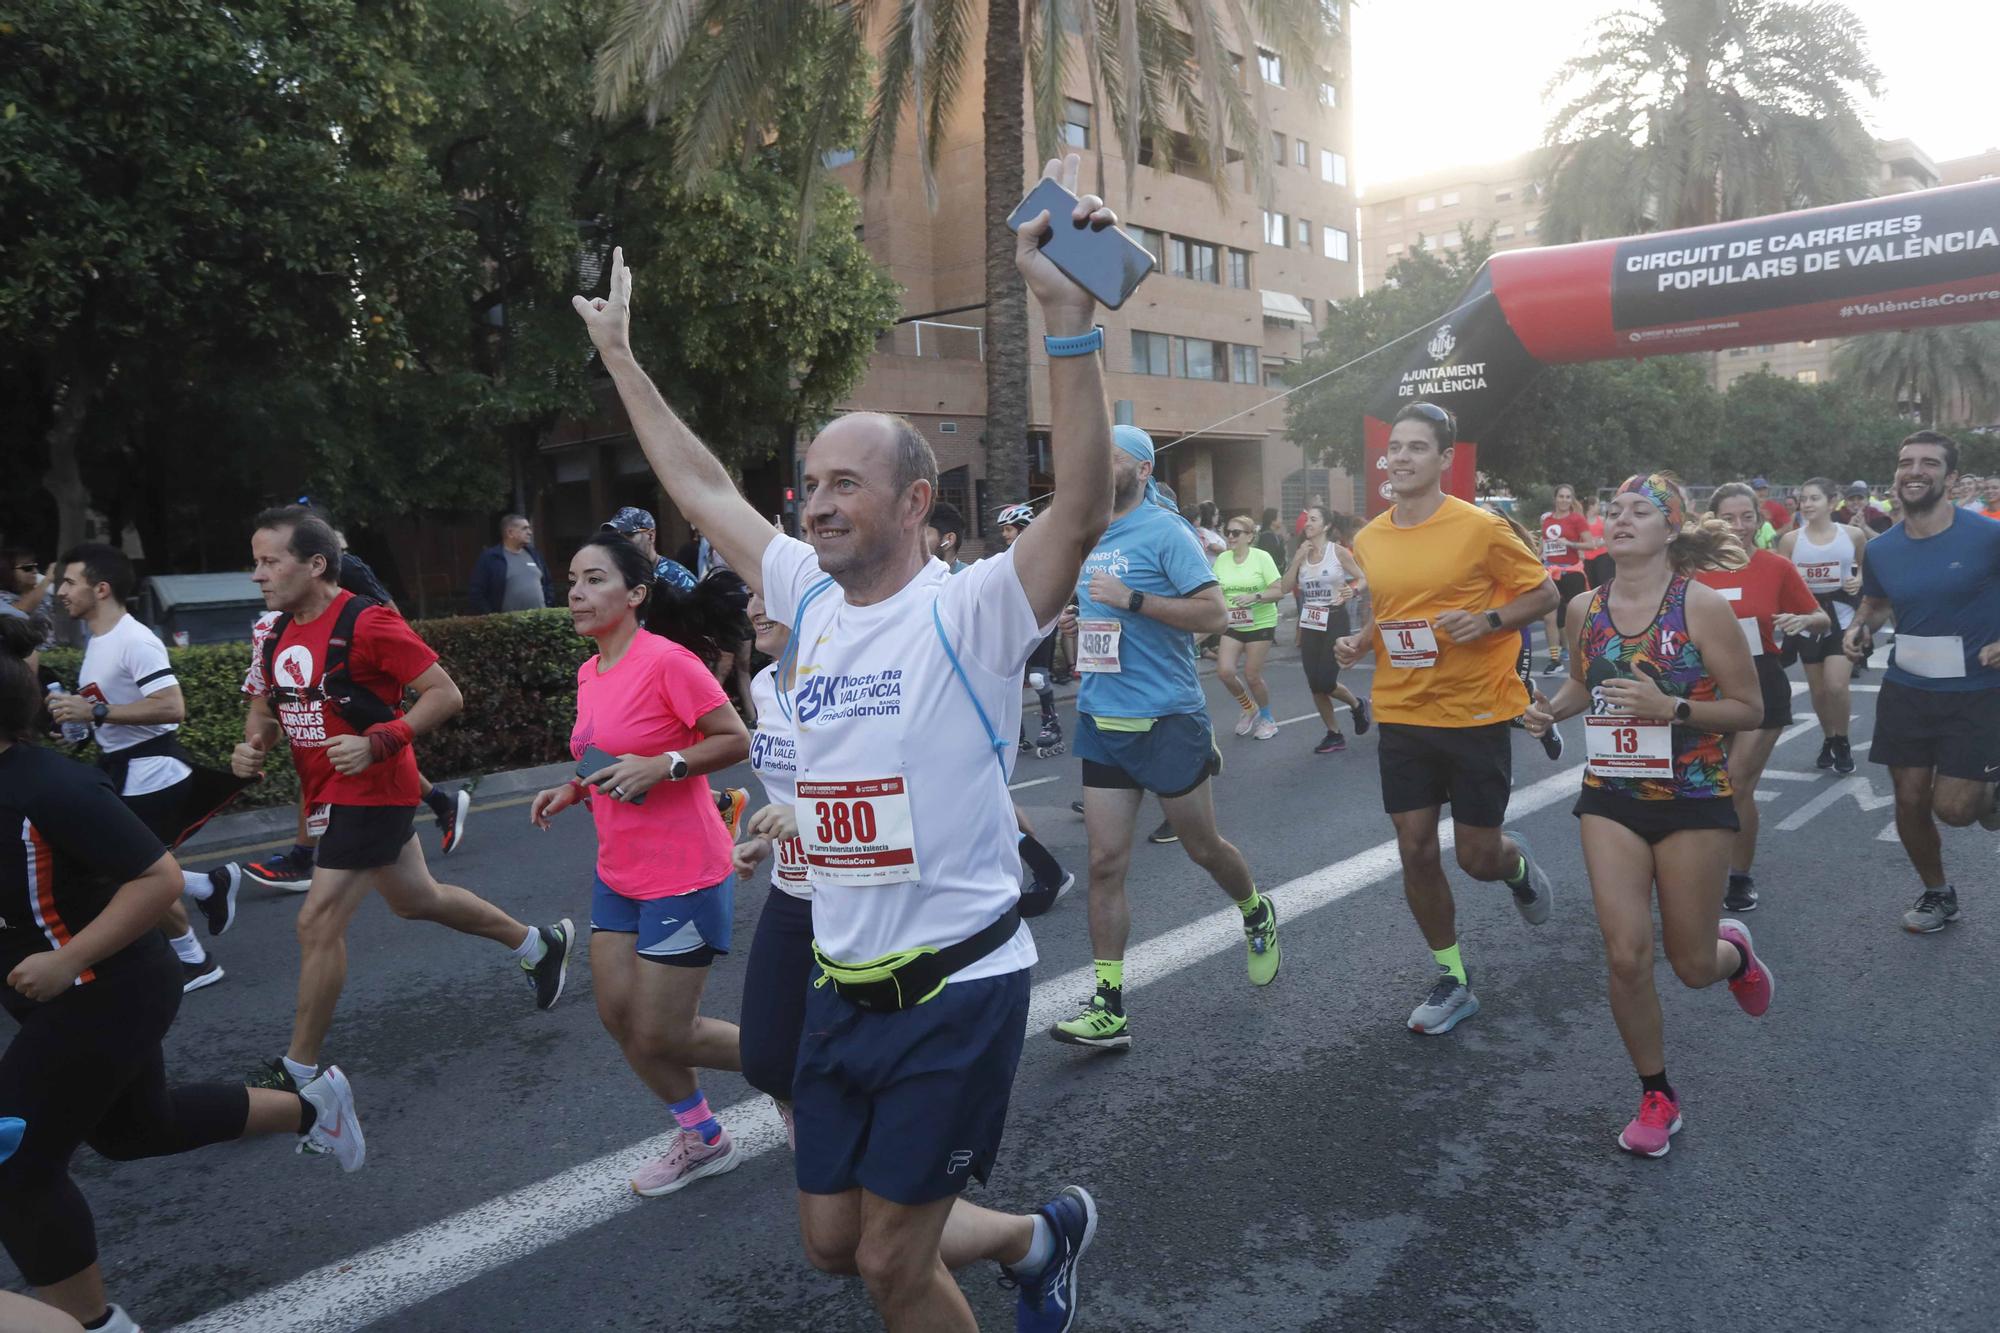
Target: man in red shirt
point(1776, 512)
point(351, 745)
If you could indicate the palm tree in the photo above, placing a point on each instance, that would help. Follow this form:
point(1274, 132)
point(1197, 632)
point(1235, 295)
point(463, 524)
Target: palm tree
point(1163, 67)
point(1954, 367)
point(1688, 112)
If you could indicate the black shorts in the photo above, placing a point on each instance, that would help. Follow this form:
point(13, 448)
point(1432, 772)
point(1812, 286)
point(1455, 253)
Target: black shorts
point(364, 837)
point(1469, 768)
point(1657, 820)
point(1253, 635)
point(1316, 652)
point(1569, 584)
point(166, 811)
point(1956, 732)
point(1777, 687)
point(1813, 649)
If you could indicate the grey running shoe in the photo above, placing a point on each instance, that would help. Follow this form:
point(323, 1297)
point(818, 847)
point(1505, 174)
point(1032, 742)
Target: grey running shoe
point(1934, 911)
point(1450, 1003)
point(1532, 899)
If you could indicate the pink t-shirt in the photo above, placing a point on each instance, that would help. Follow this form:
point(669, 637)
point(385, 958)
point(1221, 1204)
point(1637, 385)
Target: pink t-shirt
point(647, 705)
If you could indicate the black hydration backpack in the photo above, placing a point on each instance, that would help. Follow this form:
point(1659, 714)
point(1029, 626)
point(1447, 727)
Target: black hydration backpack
point(358, 707)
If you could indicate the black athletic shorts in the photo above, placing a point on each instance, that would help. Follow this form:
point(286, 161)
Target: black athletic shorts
point(1469, 768)
point(166, 811)
point(1569, 584)
point(1777, 687)
point(1956, 732)
point(1316, 652)
point(1813, 649)
point(1253, 635)
point(1657, 820)
point(364, 837)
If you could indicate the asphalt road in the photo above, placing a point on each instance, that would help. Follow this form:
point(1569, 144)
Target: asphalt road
point(1292, 1158)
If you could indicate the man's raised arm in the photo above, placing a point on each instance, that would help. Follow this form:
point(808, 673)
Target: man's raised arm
point(1051, 552)
point(689, 471)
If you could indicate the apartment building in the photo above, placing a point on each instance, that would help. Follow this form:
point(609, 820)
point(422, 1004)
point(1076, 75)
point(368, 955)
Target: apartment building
point(1239, 294)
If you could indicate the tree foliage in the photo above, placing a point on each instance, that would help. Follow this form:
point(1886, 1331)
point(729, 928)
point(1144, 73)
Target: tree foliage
point(1932, 369)
point(329, 245)
point(1688, 112)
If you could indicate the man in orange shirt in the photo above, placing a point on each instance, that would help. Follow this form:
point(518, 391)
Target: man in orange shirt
point(1991, 496)
point(1452, 589)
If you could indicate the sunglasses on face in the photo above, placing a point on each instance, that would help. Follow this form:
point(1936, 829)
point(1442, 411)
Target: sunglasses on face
point(1239, 532)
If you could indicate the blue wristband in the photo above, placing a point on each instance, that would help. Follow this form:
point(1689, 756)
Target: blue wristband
point(1083, 344)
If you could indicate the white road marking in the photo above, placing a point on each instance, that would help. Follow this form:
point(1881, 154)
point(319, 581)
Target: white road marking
point(1034, 782)
point(387, 1279)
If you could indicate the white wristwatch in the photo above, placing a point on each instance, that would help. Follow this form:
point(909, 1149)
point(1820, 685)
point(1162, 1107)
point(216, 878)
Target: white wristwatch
point(677, 767)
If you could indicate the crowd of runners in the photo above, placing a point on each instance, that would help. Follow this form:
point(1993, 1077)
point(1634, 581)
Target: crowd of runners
point(886, 1001)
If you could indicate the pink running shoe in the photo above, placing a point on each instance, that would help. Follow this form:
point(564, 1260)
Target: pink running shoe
point(1246, 722)
point(686, 1162)
point(1753, 989)
point(1659, 1119)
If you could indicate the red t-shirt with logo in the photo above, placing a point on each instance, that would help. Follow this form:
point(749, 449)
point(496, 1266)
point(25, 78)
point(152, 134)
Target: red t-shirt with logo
point(386, 655)
point(1779, 513)
point(1562, 541)
point(1768, 586)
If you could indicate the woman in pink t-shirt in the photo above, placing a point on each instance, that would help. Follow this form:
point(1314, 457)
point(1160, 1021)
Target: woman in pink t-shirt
point(664, 877)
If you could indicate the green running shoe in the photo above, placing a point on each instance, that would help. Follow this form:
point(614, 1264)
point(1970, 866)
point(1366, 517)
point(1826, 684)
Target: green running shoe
point(1260, 937)
point(1101, 1024)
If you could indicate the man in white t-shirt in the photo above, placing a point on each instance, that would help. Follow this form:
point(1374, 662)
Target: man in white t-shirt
point(126, 689)
point(903, 687)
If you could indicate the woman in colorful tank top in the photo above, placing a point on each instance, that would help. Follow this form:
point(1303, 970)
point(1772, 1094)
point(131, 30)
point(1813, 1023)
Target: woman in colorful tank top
point(1660, 667)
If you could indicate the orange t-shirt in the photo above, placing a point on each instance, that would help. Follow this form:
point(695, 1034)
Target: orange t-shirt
point(1459, 559)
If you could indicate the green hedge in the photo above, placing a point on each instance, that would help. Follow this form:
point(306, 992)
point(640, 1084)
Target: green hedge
point(517, 672)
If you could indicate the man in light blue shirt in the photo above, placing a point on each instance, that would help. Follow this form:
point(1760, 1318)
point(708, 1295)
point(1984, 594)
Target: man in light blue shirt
point(1144, 593)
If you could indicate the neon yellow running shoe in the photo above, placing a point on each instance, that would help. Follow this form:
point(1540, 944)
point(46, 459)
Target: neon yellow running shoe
point(1101, 1024)
point(1260, 939)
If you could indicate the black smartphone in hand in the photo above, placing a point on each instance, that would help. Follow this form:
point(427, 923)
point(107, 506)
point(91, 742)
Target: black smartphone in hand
point(595, 761)
point(1103, 261)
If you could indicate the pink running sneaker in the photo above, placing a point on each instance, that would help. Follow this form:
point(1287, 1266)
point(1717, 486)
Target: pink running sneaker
point(1659, 1119)
point(686, 1162)
point(1246, 722)
point(1753, 989)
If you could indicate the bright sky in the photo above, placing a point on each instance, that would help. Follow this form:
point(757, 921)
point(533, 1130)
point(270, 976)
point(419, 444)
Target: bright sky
point(1470, 90)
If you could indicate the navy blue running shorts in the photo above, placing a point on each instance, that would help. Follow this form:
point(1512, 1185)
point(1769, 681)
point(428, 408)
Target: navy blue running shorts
point(908, 1105)
point(1172, 759)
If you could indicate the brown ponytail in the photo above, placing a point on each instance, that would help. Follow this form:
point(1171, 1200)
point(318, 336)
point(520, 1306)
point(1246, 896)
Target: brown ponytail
point(1708, 543)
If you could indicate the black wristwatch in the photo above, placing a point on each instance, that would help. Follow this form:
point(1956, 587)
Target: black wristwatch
point(98, 712)
point(1493, 619)
point(678, 768)
point(1683, 711)
point(1135, 601)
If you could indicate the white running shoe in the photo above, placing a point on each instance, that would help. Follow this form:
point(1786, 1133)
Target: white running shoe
point(119, 1322)
point(1246, 722)
point(336, 1132)
point(1266, 729)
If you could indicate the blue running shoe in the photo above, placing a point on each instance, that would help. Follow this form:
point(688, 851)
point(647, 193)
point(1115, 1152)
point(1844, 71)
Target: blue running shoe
point(1047, 1301)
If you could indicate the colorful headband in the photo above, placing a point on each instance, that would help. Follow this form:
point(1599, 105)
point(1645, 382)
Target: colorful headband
point(1663, 493)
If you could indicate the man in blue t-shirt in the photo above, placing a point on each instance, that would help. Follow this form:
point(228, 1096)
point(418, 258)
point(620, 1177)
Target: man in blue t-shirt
point(1142, 725)
point(1937, 724)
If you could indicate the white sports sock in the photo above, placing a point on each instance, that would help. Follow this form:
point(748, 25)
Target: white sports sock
point(301, 1074)
point(187, 947)
point(533, 949)
point(197, 885)
point(1040, 1250)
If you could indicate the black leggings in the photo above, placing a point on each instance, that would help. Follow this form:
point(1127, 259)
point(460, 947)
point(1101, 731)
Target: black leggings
point(87, 1068)
point(774, 994)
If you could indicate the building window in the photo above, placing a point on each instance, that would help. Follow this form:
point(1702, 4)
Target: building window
point(836, 157)
point(1534, 225)
point(1329, 95)
point(1739, 351)
point(1277, 228)
point(1154, 242)
point(1396, 248)
point(1809, 377)
point(1334, 243)
point(1330, 10)
point(1430, 242)
point(1149, 353)
point(1504, 232)
point(1312, 311)
point(1305, 234)
point(1239, 269)
point(1194, 259)
point(1270, 67)
point(1332, 167)
point(1277, 149)
point(1393, 216)
point(1197, 359)
point(1502, 196)
point(1076, 123)
point(1449, 200)
point(1427, 204)
point(1452, 241)
point(1301, 155)
point(1767, 347)
point(1243, 364)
